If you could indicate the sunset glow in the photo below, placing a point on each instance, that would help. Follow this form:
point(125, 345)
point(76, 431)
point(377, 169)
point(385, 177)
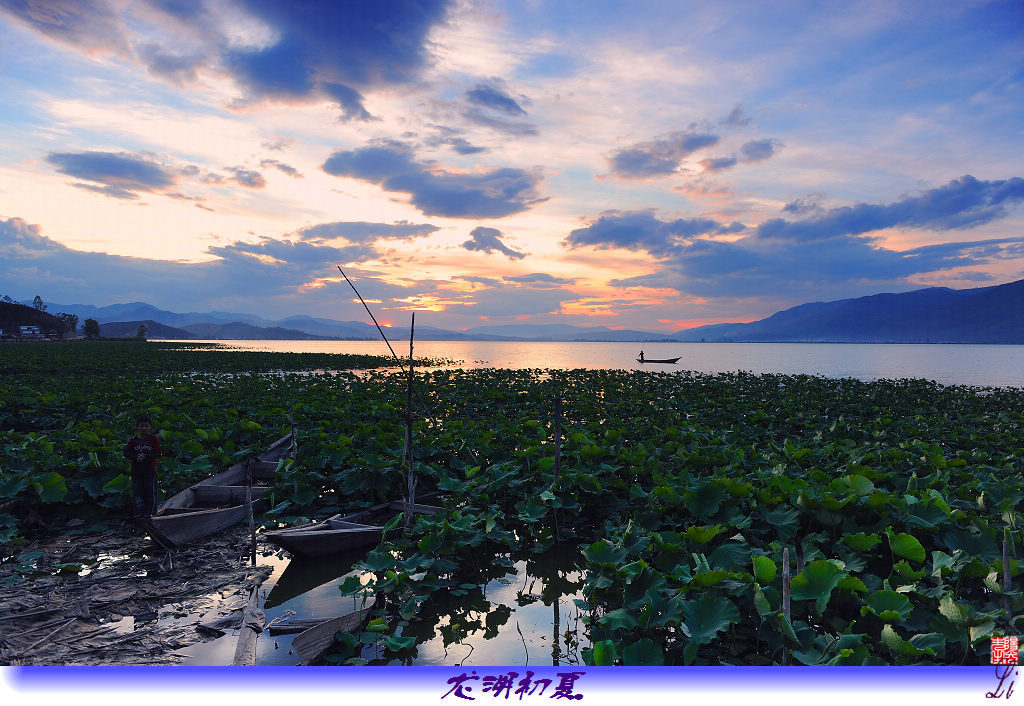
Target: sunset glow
point(655, 167)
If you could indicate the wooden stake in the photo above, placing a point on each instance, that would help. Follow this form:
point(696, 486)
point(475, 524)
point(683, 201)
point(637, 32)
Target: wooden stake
point(248, 505)
point(411, 478)
point(558, 436)
point(785, 583)
point(1007, 603)
point(785, 597)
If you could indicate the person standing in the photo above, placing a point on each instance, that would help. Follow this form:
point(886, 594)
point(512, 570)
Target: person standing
point(143, 450)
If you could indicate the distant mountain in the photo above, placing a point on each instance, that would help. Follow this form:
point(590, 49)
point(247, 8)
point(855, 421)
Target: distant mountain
point(933, 315)
point(246, 332)
point(154, 329)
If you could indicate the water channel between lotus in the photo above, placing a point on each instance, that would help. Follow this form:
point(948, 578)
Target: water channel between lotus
point(517, 613)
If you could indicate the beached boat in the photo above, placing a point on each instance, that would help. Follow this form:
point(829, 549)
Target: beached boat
point(217, 502)
point(653, 360)
point(341, 533)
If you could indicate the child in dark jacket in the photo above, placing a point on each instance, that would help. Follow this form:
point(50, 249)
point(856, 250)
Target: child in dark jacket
point(143, 450)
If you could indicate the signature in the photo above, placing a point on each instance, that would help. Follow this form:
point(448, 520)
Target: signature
point(1003, 689)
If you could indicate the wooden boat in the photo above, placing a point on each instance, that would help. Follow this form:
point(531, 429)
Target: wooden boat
point(217, 502)
point(311, 643)
point(653, 360)
point(338, 533)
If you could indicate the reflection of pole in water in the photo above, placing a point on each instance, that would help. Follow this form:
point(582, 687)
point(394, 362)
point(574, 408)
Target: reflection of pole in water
point(554, 642)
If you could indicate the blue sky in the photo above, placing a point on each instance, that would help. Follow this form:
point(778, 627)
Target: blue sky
point(656, 165)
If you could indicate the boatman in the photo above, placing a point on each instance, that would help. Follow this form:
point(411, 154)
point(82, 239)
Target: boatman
point(143, 450)
point(641, 358)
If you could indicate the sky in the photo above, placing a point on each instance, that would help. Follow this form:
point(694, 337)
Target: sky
point(648, 165)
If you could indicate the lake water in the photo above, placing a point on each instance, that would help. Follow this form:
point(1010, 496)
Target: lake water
point(948, 364)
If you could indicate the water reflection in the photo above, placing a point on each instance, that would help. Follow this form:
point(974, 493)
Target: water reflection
point(520, 611)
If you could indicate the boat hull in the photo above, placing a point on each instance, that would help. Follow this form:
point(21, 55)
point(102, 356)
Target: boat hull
point(338, 534)
point(188, 516)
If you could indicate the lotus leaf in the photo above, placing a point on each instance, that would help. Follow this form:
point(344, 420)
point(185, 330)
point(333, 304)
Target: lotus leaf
point(906, 546)
point(815, 583)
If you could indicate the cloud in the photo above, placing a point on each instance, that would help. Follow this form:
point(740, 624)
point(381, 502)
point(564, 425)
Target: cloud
point(363, 232)
point(90, 25)
point(491, 94)
point(349, 100)
point(281, 166)
point(660, 157)
point(805, 258)
point(248, 178)
point(753, 151)
point(717, 164)
point(962, 203)
point(736, 118)
point(805, 204)
point(757, 150)
point(640, 230)
point(335, 48)
point(278, 276)
point(118, 175)
point(493, 193)
point(488, 240)
point(283, 51)
point(539, 279)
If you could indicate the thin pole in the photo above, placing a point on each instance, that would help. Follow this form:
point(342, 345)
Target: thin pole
point(785, 598)
point(368, 312)
point(426, 409)
point(408, 428)
point(1007, 604)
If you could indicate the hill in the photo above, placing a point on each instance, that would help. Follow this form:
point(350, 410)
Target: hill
point(932, 315)
point(156, 330)
point(13, 315)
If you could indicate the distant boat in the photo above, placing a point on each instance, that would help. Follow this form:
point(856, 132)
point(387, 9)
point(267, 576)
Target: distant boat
point(663, 360)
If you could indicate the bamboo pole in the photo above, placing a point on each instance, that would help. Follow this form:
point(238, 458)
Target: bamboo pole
point(411, 478)
point(1007, 603)
point(785, 598)
point(558, 436)
point(248, 505)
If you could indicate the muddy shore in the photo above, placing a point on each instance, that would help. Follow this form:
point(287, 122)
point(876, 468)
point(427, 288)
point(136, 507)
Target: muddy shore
point(106, 595)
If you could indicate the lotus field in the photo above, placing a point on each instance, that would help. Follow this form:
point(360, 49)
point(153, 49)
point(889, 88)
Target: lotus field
point(678, 496)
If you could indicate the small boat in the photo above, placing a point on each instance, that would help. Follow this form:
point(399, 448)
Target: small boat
point(311, 643)
point(337, 534)
point(217, 502)
point(663, 360)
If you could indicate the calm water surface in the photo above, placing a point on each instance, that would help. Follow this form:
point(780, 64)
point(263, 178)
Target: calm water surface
point(982, 366)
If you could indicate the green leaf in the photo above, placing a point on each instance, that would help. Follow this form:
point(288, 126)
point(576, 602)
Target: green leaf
point(118, 484)
point(377, 625)
point(890, 606)
point(816, 582)
point(643, 653)
point(906, 546)
point(51, 487)
point(860, 541)
point(603, 552)
point(764, 569)
point(617, 619)
point(604, 653)
point(902, 647)
point(11, 485)
point(952, 611)
point(705, 618)
point(702, 534)
point(397, 643)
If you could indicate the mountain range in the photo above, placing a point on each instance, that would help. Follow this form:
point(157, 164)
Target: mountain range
point(933, 315)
